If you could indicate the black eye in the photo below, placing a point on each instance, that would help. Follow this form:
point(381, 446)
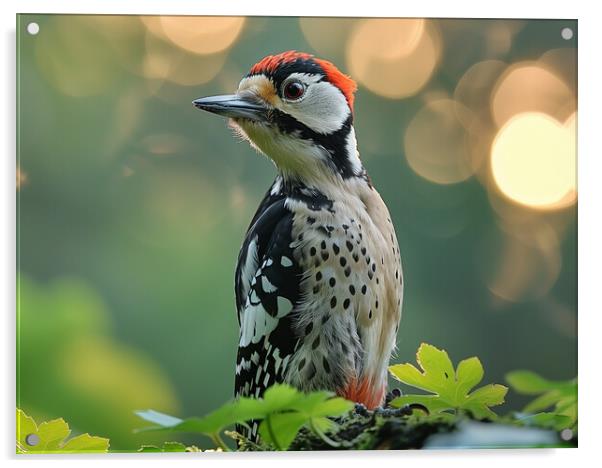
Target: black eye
point(293, 90)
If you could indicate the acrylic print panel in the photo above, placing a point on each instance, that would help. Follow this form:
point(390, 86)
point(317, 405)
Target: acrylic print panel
point(136, 312)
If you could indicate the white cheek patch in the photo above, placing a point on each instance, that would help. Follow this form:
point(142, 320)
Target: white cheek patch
point(324, 108)
point(353, 154)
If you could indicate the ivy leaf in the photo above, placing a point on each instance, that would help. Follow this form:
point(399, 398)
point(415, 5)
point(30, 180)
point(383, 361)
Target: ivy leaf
point(450, 388)
point(49, 437)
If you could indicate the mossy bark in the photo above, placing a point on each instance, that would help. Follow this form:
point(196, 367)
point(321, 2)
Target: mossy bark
point(382, 429)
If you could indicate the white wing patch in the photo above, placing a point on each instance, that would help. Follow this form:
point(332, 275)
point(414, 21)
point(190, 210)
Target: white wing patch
point(249, 268)
point(256, 321)
point(266, 285)
point(284, 306)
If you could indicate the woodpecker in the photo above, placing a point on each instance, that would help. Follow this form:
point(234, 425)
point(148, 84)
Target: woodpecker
point(319, 283)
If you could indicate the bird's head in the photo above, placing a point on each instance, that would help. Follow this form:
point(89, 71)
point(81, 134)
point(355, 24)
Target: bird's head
point(297, 110)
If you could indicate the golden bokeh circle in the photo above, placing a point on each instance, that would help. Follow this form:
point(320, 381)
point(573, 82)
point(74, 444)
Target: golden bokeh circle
point(436, 144)
point(533, 161)
point(202, 35)
point(531, 87)
point(163, 62)
point(393, 58)
point(327, 36)
point(474, 88)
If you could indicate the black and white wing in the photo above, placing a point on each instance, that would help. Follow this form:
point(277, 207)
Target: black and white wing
point(267, 290)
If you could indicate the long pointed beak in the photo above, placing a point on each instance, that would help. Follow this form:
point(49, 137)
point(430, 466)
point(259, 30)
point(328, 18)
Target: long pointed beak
point(232, 105)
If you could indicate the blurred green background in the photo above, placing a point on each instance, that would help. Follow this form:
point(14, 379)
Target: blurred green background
point(132, 205)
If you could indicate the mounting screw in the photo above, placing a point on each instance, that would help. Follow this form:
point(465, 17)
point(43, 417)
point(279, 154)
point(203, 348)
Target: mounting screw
point(32, 439)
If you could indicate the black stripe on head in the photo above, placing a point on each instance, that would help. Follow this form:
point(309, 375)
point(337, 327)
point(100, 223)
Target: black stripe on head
point(284, 70)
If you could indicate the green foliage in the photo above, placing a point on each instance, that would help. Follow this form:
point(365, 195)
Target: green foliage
point(291, 419)
point(93, 380)
point(50, 437)
point(449, 387)
point(283, 411)
point(559, 395)
point(168, 447)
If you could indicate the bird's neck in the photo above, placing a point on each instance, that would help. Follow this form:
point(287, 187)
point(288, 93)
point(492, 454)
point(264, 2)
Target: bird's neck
point(331, 161)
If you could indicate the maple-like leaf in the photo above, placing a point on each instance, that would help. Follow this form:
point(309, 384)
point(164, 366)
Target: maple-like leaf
point(449, 388)
point(50, 437)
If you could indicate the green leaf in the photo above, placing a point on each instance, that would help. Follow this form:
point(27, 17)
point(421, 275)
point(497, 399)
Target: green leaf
point(530, 383)
point(167, 447)
point(149, 449)
point(560, 396)
point(322, 424)
point(332, 407)
point(542, 402)
point(85, 443)
point(174, 447)
point(479, 401)
point(449, 387)
point(53, 433)
point(545, 420)
point(49, 437)
point(25, 426)
point(280, 429)
point(281, 397)
point(228, 414)
point(283, 411)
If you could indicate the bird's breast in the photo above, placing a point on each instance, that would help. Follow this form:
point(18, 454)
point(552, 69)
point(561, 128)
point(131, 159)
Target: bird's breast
point(351, 289)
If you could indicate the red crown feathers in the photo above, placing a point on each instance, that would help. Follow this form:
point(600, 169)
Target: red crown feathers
point(345, 83)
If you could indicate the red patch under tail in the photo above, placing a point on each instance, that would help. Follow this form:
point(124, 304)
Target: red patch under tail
point(364, 391)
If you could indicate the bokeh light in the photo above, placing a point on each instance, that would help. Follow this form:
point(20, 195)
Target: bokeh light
point(161, 62)
point(564, 63)
point(527, 262)
point(531, 87)
point(499, 38)
point(21, 178)
point(533, 161)
point(166, 144)
point(436, 143)
point(465, 39)
point(201, 35)
point(327, 36)
point(393, 58)
point(474, 88)
point(79, 68)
